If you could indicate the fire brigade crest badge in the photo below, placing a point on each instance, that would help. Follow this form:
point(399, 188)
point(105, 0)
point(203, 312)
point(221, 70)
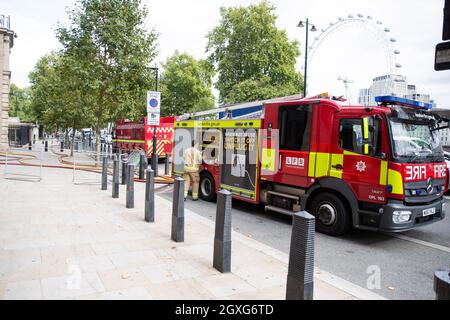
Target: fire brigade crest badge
point(361, 166)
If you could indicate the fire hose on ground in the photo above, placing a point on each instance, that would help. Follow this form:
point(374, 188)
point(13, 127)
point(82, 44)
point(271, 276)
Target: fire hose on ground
point(22, 159)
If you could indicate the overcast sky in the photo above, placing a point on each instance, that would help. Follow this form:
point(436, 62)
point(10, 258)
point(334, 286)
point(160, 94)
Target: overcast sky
point(357, 52)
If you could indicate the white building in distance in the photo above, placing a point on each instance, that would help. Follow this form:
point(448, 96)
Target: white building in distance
point(391, 85)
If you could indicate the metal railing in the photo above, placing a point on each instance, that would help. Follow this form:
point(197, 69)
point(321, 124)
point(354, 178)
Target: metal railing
point(5, 21)
point(15, 170)
point(86, 166)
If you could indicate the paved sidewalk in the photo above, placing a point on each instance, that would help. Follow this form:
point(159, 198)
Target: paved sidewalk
point(64, 241)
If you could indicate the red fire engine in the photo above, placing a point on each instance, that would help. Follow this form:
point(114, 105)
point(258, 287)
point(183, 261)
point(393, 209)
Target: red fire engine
point(137, 135)
point(373, 168)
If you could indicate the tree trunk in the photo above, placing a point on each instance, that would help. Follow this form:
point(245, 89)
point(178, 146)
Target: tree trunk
point(66, 136)
point(97, 144)
point(73, 142)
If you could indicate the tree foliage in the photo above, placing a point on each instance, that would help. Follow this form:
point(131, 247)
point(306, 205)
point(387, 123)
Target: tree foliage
point(111, 50)
point(250, 52)
point(57, 100)
point(186, 85)
point(20, 103)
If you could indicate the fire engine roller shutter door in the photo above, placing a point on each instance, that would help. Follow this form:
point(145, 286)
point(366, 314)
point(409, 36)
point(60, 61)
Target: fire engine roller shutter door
point(239, 162)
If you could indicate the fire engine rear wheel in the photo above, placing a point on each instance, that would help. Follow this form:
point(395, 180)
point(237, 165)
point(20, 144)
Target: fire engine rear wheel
point(331, 214)
point(207, 187)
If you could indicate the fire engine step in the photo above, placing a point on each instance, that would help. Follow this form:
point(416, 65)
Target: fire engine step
point(284, 195)
point(279, 210)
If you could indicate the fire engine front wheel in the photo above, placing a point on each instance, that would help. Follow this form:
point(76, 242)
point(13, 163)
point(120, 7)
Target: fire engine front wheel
point(207, 187)
point(331, 214)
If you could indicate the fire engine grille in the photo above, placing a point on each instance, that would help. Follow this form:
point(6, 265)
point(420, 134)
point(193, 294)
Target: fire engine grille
point(424, 191)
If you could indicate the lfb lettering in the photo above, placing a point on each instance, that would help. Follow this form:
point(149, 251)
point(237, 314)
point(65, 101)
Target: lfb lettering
point(374, 279)
point(416, 173)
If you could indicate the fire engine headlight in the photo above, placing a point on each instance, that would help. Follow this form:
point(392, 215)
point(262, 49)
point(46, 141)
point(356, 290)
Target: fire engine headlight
point(401, 216)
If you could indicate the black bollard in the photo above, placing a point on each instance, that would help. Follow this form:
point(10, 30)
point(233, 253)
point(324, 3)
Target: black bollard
point(46, 146)
point(30, 146)
point(105, 173)
point(300, 279)
point(222, 238)
point(62, 146)
point(167, 165)
point(115, 186)
point(441, 284)
point(124, 173)
point(155, 163)
point(150, 196)
point(130, 186)
point(178, 211)
point(142, 166)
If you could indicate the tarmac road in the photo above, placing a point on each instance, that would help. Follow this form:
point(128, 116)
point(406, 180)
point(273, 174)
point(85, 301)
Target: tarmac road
point(406, 264)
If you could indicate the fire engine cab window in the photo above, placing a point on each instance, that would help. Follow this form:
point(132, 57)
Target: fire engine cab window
point(350, 135)
point(294, 124)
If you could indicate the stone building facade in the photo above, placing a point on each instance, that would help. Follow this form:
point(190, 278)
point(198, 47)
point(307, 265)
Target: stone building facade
point(6, 43)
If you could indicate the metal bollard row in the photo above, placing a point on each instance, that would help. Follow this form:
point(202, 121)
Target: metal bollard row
point(222, 238)
point(300, 279)
point(130, 186)
point(150, 196)
point(441, 284)
point(178, 211)
point(155, 164)
point(105, 174)
point(142, 166)
point(115, 186)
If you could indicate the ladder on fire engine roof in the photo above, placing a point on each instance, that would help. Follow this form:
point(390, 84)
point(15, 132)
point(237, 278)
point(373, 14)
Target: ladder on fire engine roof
point(242, 106)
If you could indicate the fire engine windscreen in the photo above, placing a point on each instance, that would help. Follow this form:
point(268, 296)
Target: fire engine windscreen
point(415, 136)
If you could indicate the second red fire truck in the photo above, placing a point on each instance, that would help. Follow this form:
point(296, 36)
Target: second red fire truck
point(373, 168)
point(137, 135)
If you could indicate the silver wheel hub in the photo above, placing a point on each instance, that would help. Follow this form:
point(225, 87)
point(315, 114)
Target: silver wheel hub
point(206, 187)
point(326, 214)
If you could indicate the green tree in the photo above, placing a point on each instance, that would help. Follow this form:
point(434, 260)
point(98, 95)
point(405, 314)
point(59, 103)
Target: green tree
point(250, 52)
point(186, 85)
point(20, 103)
point(111, 50)
point(58, 101)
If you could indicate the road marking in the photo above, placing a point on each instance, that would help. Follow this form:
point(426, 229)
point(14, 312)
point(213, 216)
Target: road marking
point(424, 243)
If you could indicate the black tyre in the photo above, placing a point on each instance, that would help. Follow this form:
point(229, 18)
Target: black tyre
point(207, 187)
point(332, 215)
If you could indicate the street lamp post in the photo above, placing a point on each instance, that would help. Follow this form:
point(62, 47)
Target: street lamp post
point(306, 24)
point(154, 154)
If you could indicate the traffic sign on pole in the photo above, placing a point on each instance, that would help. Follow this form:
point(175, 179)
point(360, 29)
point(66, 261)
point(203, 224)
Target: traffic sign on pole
point(153, 108)
point(153, 119)
point(153, 102)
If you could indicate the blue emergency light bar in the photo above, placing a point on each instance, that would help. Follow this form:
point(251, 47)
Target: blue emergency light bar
point(403, 102)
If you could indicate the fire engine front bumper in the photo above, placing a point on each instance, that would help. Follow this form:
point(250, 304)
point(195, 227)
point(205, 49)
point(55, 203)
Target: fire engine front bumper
point(395, 215)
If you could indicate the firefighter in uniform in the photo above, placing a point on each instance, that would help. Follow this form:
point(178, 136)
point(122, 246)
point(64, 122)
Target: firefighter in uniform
point(192, 161)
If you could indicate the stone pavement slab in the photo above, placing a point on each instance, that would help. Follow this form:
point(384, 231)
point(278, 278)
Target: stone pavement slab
point(59, 240)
